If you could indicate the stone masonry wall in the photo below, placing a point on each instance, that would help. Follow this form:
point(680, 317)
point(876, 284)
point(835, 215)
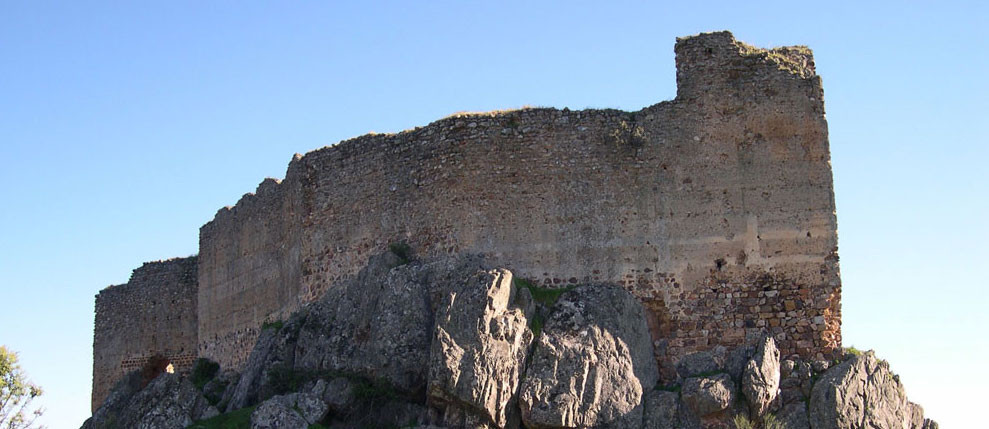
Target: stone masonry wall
point(152, 314)
point(716, 208)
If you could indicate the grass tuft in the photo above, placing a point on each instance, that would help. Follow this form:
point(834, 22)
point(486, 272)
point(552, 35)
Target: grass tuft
point(544, 296)
point(274, 324)
point(203, 371)
point(238, 419)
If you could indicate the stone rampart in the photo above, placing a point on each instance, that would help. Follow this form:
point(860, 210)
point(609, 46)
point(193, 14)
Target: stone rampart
point(153, 314)
point(715, 208)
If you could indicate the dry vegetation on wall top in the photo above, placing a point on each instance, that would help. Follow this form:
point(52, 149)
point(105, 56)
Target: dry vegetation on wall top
point(715, 210)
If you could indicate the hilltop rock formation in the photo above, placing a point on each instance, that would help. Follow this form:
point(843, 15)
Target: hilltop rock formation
point(455, 343)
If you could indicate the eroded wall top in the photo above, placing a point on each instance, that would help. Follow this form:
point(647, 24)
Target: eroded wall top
point(715, 208)
point(154, 313)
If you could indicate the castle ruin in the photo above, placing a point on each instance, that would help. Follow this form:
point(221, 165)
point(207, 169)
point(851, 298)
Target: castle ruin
point(716, 209)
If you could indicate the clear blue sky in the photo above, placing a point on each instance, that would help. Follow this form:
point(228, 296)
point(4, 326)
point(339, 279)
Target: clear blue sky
point(125, 126)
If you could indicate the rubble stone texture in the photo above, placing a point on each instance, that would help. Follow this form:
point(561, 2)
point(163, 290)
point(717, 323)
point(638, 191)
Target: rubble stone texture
point(715, 210)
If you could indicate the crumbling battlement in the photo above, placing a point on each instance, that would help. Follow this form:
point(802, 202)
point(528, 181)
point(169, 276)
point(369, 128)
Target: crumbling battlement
point(716, 209)
point(154, 313)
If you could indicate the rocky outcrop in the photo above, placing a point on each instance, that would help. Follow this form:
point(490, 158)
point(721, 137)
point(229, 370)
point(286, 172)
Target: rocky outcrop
point(662, 410)
point(168, 401)
point(708, 395)
point(479, 349)
point(295, 410)
point(861, 392)
point(451, 343)
point(592, 363)
point(761, 379)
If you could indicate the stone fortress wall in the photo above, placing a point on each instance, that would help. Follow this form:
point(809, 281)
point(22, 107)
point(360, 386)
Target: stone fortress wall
point(716, 209)
point(154, 313)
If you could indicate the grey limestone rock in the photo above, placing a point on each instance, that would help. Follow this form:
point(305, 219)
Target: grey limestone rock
point(794, 416)
point(479, 348)
point(273, 349)
point(210, 412)
point(339, 394)
point(761, 379)
point(662, 410)
point(168, 401)
point(220, 389)
point(702, 363)
point(116, 402)
point(860, 392)
point(275, 414)
point(591, 364)
point(378, 326)
point(708, 395)
point(308, 405)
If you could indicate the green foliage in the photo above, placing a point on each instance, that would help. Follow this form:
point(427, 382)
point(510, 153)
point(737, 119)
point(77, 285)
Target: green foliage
point(274, 324)
point(16, 393)
point(769, 421)
point(536, 324)
point(672, 387)
point(369, 391)
point(284, 379)
point(203, 371)
point(742, 422)
point(239, 419)
point(851, 350)
point(402, 250)
point(544, 296)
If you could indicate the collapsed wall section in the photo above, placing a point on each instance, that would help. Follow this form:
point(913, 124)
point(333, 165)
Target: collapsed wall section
point(153, 314)
point(716, 208)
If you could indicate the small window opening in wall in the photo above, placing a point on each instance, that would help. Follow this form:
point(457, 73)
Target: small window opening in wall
point(720, 263)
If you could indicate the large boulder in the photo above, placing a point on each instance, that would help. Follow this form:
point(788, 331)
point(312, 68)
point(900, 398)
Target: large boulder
point(591, 364)
point(275, 414)
point(479, 349)
point(861, 392)
point(761, 379)
point(378, 326)
point(168, 401)
point(295, 410)
point(662, 410)
point(794, 416)
point(708, 395)
point(273, 351)
point(702, 363)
